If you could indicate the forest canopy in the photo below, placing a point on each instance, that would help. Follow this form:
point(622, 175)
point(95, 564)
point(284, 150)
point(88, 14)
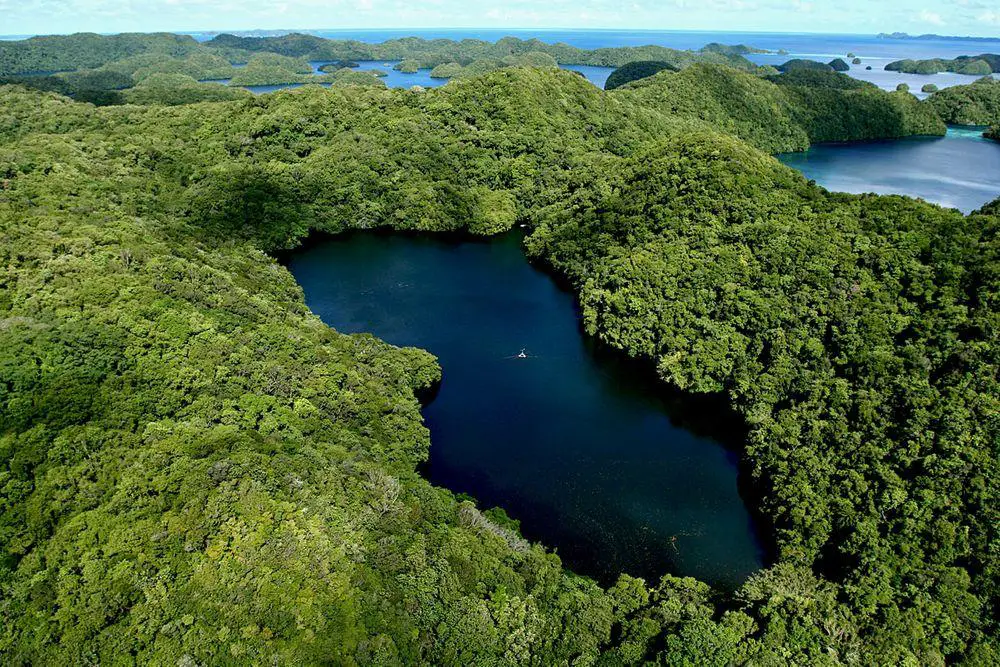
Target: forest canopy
point(196, 470)
point(264, 61)
point(973, 104)
point(807, 107)
point(635, 71)
point(975, 65)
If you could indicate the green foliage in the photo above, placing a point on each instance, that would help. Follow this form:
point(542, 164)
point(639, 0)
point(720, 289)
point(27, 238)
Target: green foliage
point(479, 67)
point(932, 66)
point(976, 65)
point(788, 117)
point(261, 60)
point(838, 65)
point(802, 63)
point(285, 59)
point(173, 89)
point(264, 75)
point(350, 77)
point(432, 53)
point(903, 88)
point(407, 66)
point(928, 88)
point(267, 69)
point(531, 59)
point(206, 472)
point(819, 79)
point(193, 469)
point(856, 61)
point(86, 50)
point(95, 86)
point(635, 71)
point(841, 428)
point(974, 104)
point(974, 68)
point(198, 65)
point(337, 65)
point(447, 71)
point(731, 49)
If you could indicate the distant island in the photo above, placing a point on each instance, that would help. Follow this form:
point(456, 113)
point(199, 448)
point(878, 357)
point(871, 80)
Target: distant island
point(732, 49)
point(931, 36)
point(981, 65)
point(87, 65)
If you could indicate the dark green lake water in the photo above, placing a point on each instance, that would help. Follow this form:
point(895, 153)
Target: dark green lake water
point(592, 458)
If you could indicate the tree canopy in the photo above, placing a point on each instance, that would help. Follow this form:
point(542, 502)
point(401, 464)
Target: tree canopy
point(635, 71)
point(973, 104)
point(975, 65)
point(195, 469)
point(804, 63)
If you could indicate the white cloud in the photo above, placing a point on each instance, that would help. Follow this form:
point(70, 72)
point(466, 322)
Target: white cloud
point(928, 16)
point(989, 16)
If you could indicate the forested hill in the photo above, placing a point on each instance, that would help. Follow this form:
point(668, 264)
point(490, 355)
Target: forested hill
point(54, 53)
point(973, 104)
point(983, 64)
point(195, 470)
point(786, 112)
point(90, 51)
point(433, 52)
point(132, 68)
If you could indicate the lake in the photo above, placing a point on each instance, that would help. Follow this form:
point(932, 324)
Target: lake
point(960, 170)
point(587, 452)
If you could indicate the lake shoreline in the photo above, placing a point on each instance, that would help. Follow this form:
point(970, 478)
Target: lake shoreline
point(697, 414)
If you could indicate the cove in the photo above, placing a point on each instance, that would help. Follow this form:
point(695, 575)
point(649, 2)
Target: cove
point(584, 450)
point(960, 170)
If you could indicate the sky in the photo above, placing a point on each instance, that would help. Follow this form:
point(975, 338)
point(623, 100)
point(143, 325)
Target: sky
point(951, 17)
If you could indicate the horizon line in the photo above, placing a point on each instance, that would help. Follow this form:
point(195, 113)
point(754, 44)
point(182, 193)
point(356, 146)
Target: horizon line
point(16, 36)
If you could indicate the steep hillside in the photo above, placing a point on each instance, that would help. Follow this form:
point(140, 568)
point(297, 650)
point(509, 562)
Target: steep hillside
point(781, 118)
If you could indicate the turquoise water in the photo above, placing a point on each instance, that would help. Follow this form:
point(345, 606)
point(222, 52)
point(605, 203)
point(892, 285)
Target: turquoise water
point(960, 170)
point(589, 454)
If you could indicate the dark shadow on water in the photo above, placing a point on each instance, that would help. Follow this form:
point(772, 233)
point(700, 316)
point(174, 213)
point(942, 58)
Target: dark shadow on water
point(707, 416)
